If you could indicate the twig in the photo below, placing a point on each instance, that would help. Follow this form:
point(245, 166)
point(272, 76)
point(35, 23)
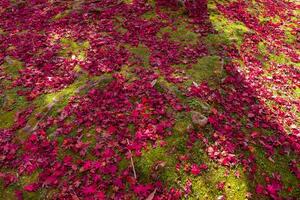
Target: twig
point(49, 108)
point(131, 160)
point(151, 196)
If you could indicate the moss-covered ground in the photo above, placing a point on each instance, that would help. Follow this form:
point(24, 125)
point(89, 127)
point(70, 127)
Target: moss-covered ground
point(159, 161)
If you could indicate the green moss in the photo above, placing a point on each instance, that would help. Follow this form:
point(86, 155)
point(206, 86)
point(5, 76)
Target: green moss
point(123, 164)
point(61, 15)
point(297, 92)
point(12, 66)
point(182, 33)
point(29, 179)
point(279, 166)
point(146, 163)
point(290, 38)
point(280, 59)
point(205, 185)
point(214, 41)
point(149, 15)
point(128, 1)
point(11, 103)
point(236, 188)
point(229, 31)
point(142, 53)
point(163, 85)
point(128, 73)
point(7, 119)
point(72, 48)
point(178, 140)
point(42, 102)
point(63, 94)
point(7, 193)
point(262, 48)
point(182, 124)
point(207, 68)
point(196, 104)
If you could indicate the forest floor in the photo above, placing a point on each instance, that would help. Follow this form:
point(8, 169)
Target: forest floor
point(149, 99)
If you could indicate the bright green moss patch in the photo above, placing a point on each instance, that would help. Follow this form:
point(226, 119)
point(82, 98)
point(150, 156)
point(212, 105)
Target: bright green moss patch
point(207, 68)
point(128, 73)
point(205, 186)
point(128, 1)
point(9, 193)
point(156, 163)
point(61, 15)
point(262, 48)
point(196, 104)
point(279, 166)
point(141, 52)
point(229, 31)
point(181, 33)
point(290, 38)
point(62, 95)
point(12, 66)
point(7, 119)
point(149, 15)
point(297, 92)
point(10, 104)
point(281, 59)
point(177, 141)
point(163, 85)
point(73, 49)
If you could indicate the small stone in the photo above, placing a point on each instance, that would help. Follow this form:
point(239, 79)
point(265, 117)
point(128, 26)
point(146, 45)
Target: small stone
point(221, 197)
point(199, 119)
point(153, 82)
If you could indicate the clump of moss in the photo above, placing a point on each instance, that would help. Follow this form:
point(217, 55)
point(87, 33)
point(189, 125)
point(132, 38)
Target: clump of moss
point(162, 85)
point(149, 15)
point(280, 166)
point(9, 193)
point(297, 92)
point(12, 66)
point(290, 38)
point(72, 48)
point(10, 103)
point(196, 104)
point(156, 163)
point(141, 52)
point(280, 59)
point(204, 186)
point(61, 15)
point(182, 34)
point(128, 73)
point(229, 31)
point(208, 68)
point(128, 1)
point(177, 142)
point(62, 95)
